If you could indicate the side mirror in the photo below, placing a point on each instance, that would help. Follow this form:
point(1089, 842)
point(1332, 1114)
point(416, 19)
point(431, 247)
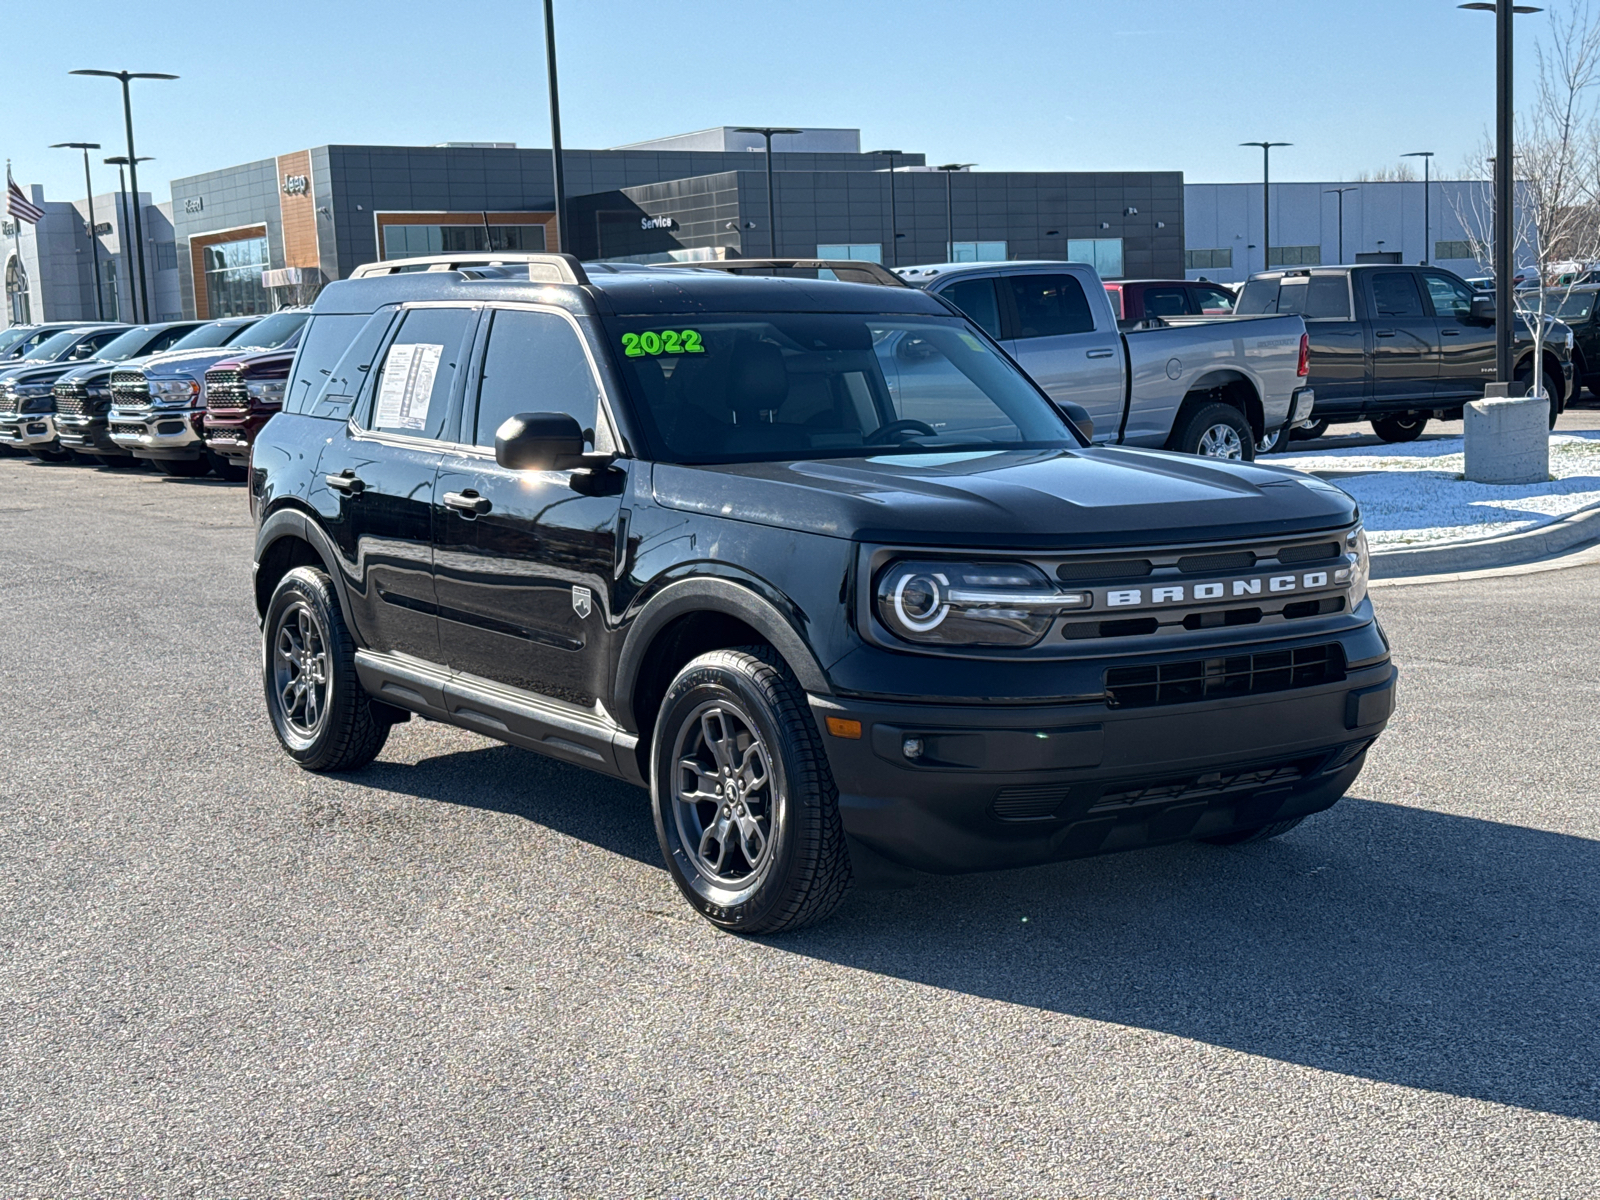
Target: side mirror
point(1482, 309)
point(539, 441)
point(1079, 416)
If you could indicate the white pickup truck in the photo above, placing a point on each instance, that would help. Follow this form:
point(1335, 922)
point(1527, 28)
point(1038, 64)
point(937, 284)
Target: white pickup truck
point(1220, 386)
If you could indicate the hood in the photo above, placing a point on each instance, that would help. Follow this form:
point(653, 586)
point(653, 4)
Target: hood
point(1098, 497)
point(263, 363)
point(99, 371)
point(38, 372)
point(189, 362)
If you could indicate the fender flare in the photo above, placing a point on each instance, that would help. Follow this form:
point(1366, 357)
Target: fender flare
point(715, 594)
point(293, 522)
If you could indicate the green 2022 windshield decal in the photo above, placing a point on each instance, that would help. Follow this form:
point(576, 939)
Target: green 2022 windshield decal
point(668, 341)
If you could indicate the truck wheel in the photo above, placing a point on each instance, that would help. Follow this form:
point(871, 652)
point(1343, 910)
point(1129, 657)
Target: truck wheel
point(1312, 431)
point(1407, 427)
point(1217, 431)
point(226, 468)
point(745, 805)
point(1551, 390)
point(1259, 834)
point(51, 454)
point(322, 715)
point(185, 468)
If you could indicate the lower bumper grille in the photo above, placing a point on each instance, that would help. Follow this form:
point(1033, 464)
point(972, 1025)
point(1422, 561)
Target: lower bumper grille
point(1218, 678)
point(128, 430)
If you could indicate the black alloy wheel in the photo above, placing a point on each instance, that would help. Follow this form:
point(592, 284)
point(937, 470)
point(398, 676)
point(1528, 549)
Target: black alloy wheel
point(1404, 427)
point(745, 805)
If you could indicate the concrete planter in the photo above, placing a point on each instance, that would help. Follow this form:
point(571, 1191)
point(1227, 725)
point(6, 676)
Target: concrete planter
point(1507, 439)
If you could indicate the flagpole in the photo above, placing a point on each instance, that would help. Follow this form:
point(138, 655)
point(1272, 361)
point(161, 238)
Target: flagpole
point(16, 244)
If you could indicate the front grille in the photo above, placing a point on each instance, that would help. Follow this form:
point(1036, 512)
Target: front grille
point(1312, 553)
point(130, 389)
point(1238, 560)
point(72, 398)
point(225, 389)
point(1211, 783)
point(1218, 678)
point(1105, 570)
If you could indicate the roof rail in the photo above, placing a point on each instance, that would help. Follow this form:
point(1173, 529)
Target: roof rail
point(847, 270)
point(542, 268)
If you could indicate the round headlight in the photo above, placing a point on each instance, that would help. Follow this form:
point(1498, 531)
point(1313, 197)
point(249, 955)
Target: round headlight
point(970, 604)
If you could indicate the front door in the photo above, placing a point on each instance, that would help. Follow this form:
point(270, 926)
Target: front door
point(1466, 347)
point(524, 560)
point(1405, 340)
point(382, 473)
point(1055, 339)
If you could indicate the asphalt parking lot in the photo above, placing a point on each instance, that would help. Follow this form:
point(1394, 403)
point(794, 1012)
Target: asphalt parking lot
point(463, 971)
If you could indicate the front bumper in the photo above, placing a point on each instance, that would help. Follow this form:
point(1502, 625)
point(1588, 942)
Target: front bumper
point(163, 434)
point(91, 435)
point(22, 430)
point(230, 433)
point(1000, 786)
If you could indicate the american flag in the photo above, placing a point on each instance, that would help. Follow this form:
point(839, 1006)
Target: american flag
point(18, 205)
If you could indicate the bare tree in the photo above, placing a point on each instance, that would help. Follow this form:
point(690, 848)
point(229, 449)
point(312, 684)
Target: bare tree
point(1556, 228)
point(1399, 173)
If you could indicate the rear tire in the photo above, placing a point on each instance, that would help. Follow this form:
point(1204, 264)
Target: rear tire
point(185, 468)
point(1217, 430)
point(1241, 837)
point(745, 804)
point(1552, 390)
point(1406, 427)
point(322, 715)
point(1312, 431)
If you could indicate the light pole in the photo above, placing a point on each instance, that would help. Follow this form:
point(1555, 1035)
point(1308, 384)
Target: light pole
point(1502, 10)
point(767, 132)
point(894, 217)
point(94, 240)
point(950, 169)
point(1427, 213)
point(555, 127)
point(120, 161)
point(1266, 202)
point(1340, 193)
point(133, 169)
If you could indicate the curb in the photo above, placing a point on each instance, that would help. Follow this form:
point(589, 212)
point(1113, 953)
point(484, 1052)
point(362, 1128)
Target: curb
point(1549, 539)
point(1576, 558)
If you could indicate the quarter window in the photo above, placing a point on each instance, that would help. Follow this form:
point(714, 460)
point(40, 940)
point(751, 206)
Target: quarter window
point(1050, 305)
point(334, 341)
point(535, 363)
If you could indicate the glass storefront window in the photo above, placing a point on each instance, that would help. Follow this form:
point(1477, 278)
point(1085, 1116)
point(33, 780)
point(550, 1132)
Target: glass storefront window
point(1103, 254)
point(233, 278)
point(854, 251)
point(412, 241)
point(978, 252)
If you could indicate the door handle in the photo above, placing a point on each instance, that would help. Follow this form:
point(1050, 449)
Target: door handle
point(1099, 353)
point(346, 482)
point(468, 503)
point(1450, 333)
point(1383, 333)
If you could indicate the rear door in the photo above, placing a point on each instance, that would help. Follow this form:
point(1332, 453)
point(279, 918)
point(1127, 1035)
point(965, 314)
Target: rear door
point(1073, 350)
point(1466, 347)
point(1405, 339)
point(524, 560)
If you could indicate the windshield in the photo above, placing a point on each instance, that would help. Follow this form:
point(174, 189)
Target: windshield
point(53, 348)
point(10, 338)
point(218, 333)
point(746, 387)
point(273, 331)
point(127, 345)
point(1574, 308)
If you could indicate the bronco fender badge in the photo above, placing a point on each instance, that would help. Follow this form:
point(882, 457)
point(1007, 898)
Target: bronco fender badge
point(582, 601)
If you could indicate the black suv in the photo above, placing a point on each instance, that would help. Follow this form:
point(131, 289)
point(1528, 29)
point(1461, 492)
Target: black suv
point(814, 561)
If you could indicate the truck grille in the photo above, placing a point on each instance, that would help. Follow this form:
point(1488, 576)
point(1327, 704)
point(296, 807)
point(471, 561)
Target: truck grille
point(225, 389)
point(128, 430)
point(72, 398)
point(1218, 678)
point(130, 389)
point(1212, 783)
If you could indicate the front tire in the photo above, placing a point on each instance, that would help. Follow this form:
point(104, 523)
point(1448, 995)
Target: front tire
point(745, 805)
point(50, 454)
point(185, 468)
point(226, 468)
point(322, 715)
point(1406, 427)
point(1217, 431)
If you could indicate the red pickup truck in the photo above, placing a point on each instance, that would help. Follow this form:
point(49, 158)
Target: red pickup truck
point(1137, 300)
point(241, 395)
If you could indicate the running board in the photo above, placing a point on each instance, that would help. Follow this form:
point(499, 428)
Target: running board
point(518, 717)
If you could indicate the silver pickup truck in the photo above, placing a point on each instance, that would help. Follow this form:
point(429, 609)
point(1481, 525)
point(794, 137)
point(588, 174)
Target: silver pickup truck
point(1220, 386)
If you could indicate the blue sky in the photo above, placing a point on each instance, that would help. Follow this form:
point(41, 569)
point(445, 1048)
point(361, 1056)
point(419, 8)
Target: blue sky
point(1009, 84)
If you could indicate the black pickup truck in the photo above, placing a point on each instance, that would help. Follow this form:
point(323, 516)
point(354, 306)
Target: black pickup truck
point(1396, 345)
point(830, 599)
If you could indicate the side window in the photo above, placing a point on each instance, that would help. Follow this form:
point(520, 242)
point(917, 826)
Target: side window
point(535, 363)
point(1450, 298)
point(166, 338)
point(411, 394)
point(93, 342)
point(1394, 294)
point(976, 298)
point(1050, 305)
point(1212, 301)
point(1166, 302)
point(334, 340)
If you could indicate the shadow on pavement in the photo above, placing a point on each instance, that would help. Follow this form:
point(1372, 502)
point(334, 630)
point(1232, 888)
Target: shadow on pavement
point(1391, 943)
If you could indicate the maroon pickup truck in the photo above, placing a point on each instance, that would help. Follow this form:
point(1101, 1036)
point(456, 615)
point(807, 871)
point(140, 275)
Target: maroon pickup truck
point(242, 394)
point(1135, 301)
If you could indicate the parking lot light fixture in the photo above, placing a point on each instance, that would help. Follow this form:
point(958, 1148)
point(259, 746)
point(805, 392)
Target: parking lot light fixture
point(768, 131)
point(1503, 11)
point(950, 169)
point(1340, 191)
point(1427, 212)
point(119, 161)
point(1266, 202)
point(94, 240)
point(125, 77)
point(894, 215)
